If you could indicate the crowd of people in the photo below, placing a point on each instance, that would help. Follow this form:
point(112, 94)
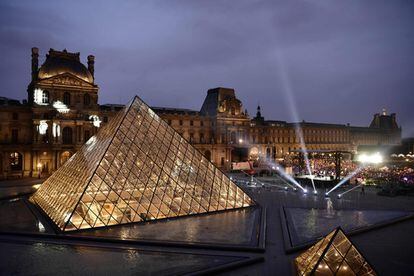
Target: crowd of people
point(369, 174)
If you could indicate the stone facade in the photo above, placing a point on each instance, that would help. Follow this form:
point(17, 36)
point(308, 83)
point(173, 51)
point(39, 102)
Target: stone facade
point(62, 112)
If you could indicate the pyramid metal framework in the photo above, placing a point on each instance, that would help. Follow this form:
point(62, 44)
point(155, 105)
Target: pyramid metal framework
point(136, 168)
point(333, 255)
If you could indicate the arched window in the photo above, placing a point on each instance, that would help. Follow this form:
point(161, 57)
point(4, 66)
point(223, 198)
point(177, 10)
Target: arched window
point(67, 135)
point(16, 161)
point(86, 99)
point(207, 154)
point(45, 97)
point(66, 98)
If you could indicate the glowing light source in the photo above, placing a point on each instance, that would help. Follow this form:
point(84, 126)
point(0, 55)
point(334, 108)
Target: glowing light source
point(56, 130)
point(254, 151)
point(240, 141)
point(61, 107)
point(95, 120)
point(42, 127)
point(38, 97)
point(375, 158)
point(344, 180)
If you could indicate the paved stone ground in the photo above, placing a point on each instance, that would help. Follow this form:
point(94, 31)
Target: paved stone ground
point(389, 249)
point(17, 187)
point(232, 228)
point(42, 256)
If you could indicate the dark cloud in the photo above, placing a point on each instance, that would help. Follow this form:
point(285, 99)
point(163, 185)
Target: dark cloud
point(344, 60)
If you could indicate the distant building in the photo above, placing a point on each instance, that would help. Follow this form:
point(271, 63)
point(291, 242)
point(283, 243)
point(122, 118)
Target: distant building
point(62, 112)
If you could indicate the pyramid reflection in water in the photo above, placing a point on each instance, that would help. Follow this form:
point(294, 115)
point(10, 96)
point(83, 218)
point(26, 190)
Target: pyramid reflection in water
point(136, 168)
point(333, 255)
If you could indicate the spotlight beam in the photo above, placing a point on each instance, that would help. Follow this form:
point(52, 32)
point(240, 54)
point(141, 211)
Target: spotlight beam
point(288, 91)
point(281, 170)
point(353, 188)
point(349, 176)
point(252, 177)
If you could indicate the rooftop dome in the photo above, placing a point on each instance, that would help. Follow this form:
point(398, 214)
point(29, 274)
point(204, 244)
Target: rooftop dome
point(57, 63)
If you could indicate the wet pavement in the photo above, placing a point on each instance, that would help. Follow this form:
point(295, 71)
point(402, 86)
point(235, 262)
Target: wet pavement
point(308, 225)
point(389, 249)
point(236, 228)
point(35, 257)
point(389, 253)
point(19, 187)
point(17, 216)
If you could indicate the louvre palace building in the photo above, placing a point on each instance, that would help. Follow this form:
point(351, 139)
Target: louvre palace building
point(61, 113)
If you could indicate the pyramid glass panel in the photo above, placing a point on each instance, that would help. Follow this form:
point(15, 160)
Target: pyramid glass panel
point(333, 255)
point(136, 168)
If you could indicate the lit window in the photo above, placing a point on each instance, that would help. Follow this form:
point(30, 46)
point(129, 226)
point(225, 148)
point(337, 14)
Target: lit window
point(45, 97)
point(56, 130)
point(95, 120)
point(60, 107)
point(40, 97)
point(15, 161)
point(42, 127)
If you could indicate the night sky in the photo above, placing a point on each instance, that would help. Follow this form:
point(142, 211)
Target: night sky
point(342, 61)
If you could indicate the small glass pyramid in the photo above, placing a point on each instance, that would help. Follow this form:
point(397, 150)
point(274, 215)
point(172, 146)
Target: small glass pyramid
point(136, 168)
point(333, 255)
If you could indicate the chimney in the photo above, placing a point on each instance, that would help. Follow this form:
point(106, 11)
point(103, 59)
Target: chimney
point(35, 62)
point(91, 65)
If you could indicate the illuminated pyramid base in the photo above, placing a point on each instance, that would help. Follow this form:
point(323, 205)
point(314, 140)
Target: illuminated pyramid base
point(136, 168)
point(333, 255)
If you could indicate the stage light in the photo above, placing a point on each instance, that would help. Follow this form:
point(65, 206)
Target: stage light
point(375, 158)
point(305, 191)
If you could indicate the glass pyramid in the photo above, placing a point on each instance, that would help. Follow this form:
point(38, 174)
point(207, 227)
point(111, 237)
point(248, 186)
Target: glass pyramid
point(136, 168)
point(333, 255)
